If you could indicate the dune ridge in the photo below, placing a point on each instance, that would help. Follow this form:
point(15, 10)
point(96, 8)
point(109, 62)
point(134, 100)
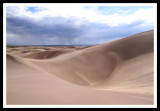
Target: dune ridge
point(123, 66)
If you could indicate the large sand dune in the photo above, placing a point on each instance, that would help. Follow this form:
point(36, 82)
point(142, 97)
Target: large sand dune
point(118, 72)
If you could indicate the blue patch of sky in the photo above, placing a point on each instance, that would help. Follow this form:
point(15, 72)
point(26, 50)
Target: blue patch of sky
point(109, 10)
point(33, 9)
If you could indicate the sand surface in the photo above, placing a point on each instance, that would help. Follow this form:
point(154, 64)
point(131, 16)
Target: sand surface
point(119, 72)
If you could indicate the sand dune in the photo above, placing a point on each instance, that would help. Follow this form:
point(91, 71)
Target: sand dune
point(117, 72)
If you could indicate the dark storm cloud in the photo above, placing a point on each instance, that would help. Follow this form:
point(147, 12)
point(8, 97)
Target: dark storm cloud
point(25, 28)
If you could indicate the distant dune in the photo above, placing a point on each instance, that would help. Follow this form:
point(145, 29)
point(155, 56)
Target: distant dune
point(119, 72)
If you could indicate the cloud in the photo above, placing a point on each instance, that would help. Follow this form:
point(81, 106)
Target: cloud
point(80, 12)
point(68, 25)
point(59, 32)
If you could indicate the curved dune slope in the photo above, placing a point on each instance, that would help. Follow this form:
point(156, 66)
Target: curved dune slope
point(93, 65)
point(112, 69)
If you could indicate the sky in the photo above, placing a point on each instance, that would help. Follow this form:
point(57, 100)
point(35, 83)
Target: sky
point(74, 24)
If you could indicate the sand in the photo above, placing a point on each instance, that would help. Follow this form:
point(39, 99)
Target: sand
point(119, 72)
